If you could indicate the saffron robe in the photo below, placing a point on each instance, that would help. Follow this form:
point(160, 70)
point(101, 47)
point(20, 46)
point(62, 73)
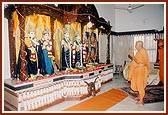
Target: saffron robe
point(161, 58)
point(138, 75)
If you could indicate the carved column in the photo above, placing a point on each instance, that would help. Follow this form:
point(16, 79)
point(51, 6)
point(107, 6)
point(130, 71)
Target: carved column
point(23, 72)
point(52, 34)
point(108, 46)
point(12, 48)
point(97, 56)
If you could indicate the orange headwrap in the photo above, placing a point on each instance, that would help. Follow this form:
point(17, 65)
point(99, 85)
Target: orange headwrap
point(161, 42)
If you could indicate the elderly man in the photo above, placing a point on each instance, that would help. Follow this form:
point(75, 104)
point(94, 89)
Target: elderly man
point(139, 70)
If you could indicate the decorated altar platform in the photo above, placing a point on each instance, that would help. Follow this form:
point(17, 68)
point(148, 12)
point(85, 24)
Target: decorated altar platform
point(47, 91)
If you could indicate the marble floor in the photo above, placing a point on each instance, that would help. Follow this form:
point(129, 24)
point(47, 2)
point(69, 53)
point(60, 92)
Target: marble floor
point(126, 106)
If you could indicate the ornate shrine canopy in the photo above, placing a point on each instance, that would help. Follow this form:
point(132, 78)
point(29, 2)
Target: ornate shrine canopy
point(62, 12)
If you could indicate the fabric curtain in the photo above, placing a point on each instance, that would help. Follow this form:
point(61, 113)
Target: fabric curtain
point(16, 33)
point(37, 22)
point(121, 45)
point(75, 28)
point(149, 44)
point(102, 48)
point(58, 35)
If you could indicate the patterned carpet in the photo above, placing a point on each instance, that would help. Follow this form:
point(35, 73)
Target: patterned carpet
point(100, 102)
point(153, 94)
